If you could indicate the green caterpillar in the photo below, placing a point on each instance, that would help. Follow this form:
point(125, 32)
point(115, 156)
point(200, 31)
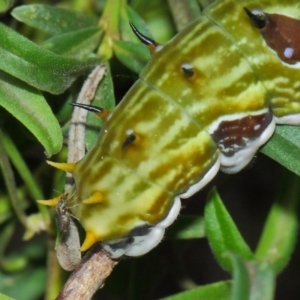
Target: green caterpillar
point(207, 100)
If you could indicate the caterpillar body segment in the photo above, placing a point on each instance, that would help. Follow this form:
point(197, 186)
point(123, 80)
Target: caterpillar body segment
point(142, 239)
point(238, 96)
point(279, 77)
point(207, 100)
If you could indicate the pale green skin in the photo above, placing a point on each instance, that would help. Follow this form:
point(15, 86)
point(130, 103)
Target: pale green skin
point(237, 75)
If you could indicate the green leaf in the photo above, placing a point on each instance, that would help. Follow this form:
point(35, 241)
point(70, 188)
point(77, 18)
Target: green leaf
point(5, 5)
point(281, 229)
point(262, 281)
point(130, 51)
point(132, 55)
point(21, 167)
point(222, 233)
point(26, 285)
point(184, 12)
point(139, 23)
point(241, 280)
point(129, 15)
point(110, 24)
point(205, 3)
point(186, 227)
point(53, 20)
point(251, 280)
point(5, 210)
point(14, 263)
point(36, 66)
point(215, 291)
point(284, 147)
point(4, 297)
point(76, 44)
point(30, 108)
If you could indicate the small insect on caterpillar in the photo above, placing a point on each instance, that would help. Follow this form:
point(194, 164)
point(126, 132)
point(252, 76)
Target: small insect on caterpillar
point(63, 215)
point(68, 243)
point(207, 100)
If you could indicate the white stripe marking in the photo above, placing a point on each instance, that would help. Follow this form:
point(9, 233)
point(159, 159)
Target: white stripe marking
point(203, 182)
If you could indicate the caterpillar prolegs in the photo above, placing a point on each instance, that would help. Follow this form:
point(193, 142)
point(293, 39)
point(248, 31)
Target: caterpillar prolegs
point(207, 100)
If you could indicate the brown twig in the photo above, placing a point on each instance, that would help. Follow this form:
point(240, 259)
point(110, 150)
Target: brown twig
point(96, 266)
point(76, 142)
point(89, 276)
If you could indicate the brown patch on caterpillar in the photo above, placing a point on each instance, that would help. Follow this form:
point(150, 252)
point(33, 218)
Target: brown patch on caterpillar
point(280, 32)
point(233, 136)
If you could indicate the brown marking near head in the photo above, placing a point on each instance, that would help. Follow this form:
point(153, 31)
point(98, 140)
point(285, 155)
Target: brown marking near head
point(233, 136)
point(280, 32)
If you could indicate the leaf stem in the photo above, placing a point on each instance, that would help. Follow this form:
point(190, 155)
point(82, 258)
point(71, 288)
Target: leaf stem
point(11, 184)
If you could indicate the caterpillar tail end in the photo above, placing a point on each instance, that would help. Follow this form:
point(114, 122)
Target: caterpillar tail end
point(50, 202)
point(68, 167)
point(89, 241)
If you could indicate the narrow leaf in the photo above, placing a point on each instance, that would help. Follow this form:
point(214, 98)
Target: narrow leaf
point(76, 44)
point(30, 108)
point(262, 281)
point(241, 280)
point(132, 55)
point(186, 227)
point(215, 291)
point(21, 167)
point(53, 20)
point(5, 5)
point(4, 297)
point(184, 12)
point(26, 285)
point(284, 147)
point(10, 183)
point(205, 3)
point(131, 16)
point(251, 280)
point(281, 229)
point(222, 233)
point(36, 66)
point(110, 23)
